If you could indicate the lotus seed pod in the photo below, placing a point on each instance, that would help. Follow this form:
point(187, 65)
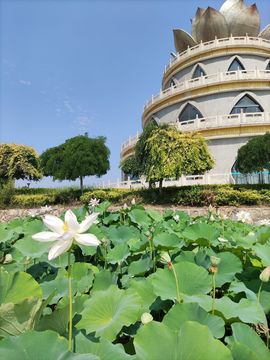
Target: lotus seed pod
point(146, 318)
point(265, 274)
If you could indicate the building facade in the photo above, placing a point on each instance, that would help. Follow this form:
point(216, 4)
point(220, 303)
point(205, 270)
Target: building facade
point(217, 83)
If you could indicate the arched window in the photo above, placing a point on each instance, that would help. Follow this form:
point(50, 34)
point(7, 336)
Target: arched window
point(172, 82)
point(246, 105)
point(190, 112)
point(236, 65)
point(268, 66)
point(198, 72)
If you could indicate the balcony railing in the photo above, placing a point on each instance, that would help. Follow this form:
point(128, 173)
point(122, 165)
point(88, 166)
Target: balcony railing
point(220, 77)
point(212, 122)
point(223, 121)
point(218, 43)
point(130, 142)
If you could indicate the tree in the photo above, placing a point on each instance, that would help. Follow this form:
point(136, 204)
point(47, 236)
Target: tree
point(130, 166)
point(19, 162)
point(254, 155)
point(171, 154)
point(78, 157)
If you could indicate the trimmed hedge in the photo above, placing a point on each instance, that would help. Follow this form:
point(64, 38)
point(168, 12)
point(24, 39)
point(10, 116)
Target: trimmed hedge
point(197, 195)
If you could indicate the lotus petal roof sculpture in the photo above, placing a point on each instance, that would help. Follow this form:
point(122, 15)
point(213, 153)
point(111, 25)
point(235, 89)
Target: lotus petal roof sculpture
point(234, 18)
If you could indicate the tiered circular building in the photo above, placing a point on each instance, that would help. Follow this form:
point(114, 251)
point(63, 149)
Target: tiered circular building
point(218, 83)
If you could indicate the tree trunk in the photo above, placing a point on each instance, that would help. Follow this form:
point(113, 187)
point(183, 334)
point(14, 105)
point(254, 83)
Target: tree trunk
point(160, 184)
point(81, 184)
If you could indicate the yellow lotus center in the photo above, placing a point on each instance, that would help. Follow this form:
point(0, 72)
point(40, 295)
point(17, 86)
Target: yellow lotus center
point(65, 227)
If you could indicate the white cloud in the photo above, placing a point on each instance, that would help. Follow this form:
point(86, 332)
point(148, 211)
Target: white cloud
point(68, 106)
point(82, 122)
point(25, 82)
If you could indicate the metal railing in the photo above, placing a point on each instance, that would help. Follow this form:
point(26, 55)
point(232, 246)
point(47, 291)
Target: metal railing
point(220, 77)
point(215, 44)
point(206, 179)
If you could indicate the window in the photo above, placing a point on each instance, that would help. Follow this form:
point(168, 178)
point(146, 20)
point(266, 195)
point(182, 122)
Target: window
point(198, 72)
point(172, 83)
point(268, 66)
point(236, 65)
point(189, 112)
point(246, 105)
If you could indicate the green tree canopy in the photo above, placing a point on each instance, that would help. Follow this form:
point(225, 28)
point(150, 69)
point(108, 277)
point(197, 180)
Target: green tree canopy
point(19, 162)
point(171, 154)
point(78, 157)
point(255, 155)
point(130, 166)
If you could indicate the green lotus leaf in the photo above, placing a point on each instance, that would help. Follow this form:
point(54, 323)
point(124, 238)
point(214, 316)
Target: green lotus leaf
point(227, 268)
point(140, 217)
point(238, 287)
point(263, 252)
point(34, 345)
point(111, 218)
point(180, 313)
point(20, 317)
point(83, 276)
point(104, 349)
point(118, 254)
point(246, 310)
point(155, 215)
point(144, 289)
point(108, 311)
point(122, 234)
point(16, 287)
point(193, 342)
point(5, 235)
point(245, 342)
point(200, 232)
point(140, 266)
point(29, 247)
point(103, 280)
point(59, 285)
point(33, 226)
point(167, 241)
point(192, 280)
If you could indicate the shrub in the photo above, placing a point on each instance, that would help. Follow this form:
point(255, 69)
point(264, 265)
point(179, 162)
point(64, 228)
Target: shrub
point(33, 200)
point(7, 192)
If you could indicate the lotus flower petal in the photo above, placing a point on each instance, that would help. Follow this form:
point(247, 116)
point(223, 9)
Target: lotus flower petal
point(60, 247)
point(195, 20)
point(182, 40)
point(45, 236)
point(210, 25)
point(265, 33)
point(71, 221)
point(87, 239)
point(241, 19)
point(87, 222)
point(54, 223)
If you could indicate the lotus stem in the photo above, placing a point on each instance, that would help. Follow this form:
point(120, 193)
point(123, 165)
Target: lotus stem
point(214, 292)
point(259, 294)
point(70, 302)
point(176, 283)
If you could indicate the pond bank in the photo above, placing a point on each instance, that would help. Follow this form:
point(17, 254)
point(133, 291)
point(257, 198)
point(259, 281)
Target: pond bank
point(257, 212)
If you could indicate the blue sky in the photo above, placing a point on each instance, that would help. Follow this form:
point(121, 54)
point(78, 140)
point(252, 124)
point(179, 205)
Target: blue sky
point(68, 67)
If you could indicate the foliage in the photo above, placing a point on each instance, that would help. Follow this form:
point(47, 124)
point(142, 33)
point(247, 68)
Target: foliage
point(172, 154)
point(130, 166)
point(78, 157)
point(125, 277)
point(19, 162)
point(7, 192)
point(255, 155)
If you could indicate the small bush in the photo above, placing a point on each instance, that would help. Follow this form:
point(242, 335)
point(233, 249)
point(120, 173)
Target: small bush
point(7, 192)
point(33, 200)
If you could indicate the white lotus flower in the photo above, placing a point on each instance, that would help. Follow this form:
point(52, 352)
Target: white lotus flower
point(244, 217)
point(222, 239)
point(133, 202)
point(125, 207)
point(176, 218)
point(64, 233)
point(93, 202)
point(146, 318)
